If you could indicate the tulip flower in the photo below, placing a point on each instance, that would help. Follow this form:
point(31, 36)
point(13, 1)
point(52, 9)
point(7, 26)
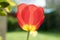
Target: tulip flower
point(30, 17)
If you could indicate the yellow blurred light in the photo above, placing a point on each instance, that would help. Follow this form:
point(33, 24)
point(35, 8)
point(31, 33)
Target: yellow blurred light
point(7, 9)
point(11, 3)
point(0, 37)
point(0, 5)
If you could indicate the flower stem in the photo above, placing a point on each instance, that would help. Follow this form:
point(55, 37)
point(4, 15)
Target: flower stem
point(28, 35)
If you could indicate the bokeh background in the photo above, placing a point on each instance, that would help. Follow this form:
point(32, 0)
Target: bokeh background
point(49, 30)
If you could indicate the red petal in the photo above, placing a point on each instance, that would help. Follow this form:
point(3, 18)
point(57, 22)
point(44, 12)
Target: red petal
point(25, 15)
point(32, 8)
point(38, 17)
point(19, 12)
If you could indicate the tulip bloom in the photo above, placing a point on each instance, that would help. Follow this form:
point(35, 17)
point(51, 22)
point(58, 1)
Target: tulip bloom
point(30, 17)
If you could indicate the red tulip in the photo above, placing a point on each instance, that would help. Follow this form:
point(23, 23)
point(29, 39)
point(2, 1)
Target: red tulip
point(30, 17)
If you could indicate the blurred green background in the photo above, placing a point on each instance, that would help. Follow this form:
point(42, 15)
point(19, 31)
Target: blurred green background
point(49, 30)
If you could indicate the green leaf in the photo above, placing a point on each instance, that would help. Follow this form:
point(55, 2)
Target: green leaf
point(2, 13)
point(4, 4)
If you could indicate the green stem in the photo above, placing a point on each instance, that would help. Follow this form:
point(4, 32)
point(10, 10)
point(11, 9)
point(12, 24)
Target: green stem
point(28, 35)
